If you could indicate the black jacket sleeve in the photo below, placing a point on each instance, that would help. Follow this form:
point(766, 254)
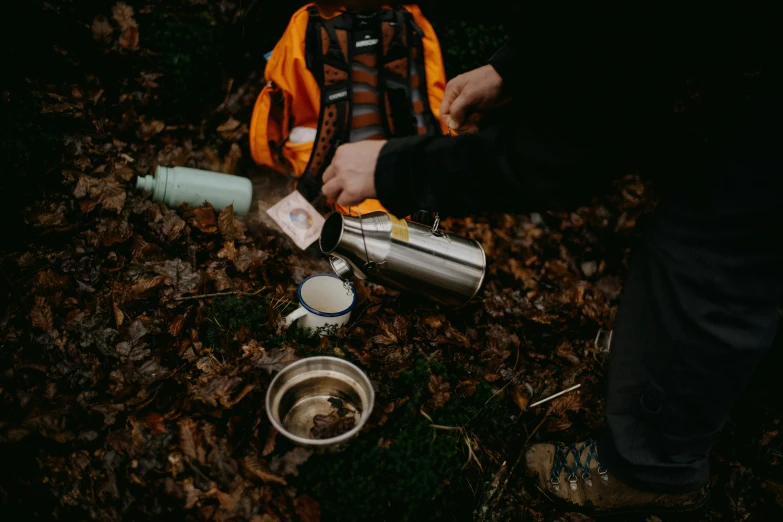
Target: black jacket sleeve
point(560, 142)
point(506, 168)
point(583, 89)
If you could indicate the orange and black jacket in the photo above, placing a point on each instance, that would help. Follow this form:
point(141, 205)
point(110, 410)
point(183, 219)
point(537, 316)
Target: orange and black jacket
point(349, 76)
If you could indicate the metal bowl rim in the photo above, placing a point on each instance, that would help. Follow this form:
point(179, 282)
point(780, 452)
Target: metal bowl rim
point(322, 442)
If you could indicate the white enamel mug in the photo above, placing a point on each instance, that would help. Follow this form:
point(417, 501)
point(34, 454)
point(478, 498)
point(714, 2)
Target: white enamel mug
point(325, 301)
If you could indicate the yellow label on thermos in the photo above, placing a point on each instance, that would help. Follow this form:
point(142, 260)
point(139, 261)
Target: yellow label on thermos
point(399, 229)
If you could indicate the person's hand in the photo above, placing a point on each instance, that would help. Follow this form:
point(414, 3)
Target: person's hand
point(350, 178)
point(467, 95)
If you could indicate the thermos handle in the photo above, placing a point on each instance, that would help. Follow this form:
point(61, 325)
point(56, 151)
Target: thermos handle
point(435, 224)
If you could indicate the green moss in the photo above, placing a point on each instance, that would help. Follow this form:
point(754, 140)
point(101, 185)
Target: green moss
point(228, 314)
point(406, 470)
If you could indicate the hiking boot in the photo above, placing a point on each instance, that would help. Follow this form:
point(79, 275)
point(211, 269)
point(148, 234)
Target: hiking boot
point(573, 475)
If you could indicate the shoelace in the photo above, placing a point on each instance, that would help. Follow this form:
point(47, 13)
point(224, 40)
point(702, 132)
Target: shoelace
point(560, 462)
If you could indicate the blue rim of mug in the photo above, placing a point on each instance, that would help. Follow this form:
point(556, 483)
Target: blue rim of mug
point(318, 312)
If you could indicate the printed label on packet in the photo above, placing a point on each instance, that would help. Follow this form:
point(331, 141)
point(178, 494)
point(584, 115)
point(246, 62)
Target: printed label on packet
point(298, 219)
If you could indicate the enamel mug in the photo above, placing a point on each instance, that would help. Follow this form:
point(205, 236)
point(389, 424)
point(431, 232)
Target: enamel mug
point(325, 300)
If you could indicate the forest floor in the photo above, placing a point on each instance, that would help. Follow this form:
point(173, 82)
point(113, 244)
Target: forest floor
point(129, 392)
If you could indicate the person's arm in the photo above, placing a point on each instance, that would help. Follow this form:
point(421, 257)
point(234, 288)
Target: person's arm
point(503, 61)
point(506, 168)
point(565, 135)
point(571, 127)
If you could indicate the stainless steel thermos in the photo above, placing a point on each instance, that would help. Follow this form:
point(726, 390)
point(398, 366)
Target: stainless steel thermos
point(404, 255)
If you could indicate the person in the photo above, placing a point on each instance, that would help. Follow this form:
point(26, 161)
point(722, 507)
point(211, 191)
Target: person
point(345, 71)
point(690, 99)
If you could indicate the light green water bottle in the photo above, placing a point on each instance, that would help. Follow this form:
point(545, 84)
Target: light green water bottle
point(176, 185)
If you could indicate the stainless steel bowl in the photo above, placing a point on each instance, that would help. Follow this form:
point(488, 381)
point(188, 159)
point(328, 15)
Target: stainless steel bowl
point(324, 387)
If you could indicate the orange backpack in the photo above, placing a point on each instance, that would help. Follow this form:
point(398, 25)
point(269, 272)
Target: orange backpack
point(344, 76)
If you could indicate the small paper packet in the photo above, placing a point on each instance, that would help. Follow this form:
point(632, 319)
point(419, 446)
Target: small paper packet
point(298, 219)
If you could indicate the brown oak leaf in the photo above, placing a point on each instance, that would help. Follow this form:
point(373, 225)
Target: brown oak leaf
point(308, 509)
point(47, 280)
point(228, 251)
point(123, 172)
point(134, 349)
point(219, 277)
point(148, 129)
point(247, 257)
point(204, 219)
point(101, 29)
point(109, 194)
point(175, 328)
point(439, 390)
point(232, 129)
point(179, 275)
point(123, 15)
point(271, 440)
point(188, 439)
point(288, 464)
point(172, 225)
point(110, 231)
point(226, 223)
point(144, 287)
point(257, 468)
point(276, 360)
point(434, 321)
point(231, 159)
point(41, 314)
point(142, 248)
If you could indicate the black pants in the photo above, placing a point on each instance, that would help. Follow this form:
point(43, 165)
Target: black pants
point(698, 311)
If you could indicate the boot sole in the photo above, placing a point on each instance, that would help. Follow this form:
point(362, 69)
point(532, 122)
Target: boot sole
point(674, 514)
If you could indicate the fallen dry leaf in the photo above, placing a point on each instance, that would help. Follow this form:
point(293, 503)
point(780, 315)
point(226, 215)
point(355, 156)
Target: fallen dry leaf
point(231, 159)
point(123, 15)
point(289, 463)
point(109, 194)
point(172, 225)
point(102, 29)
point(41, 315)
point(271, 440)
point(308, 509)
point(439, 391)
point(247, 257)
point(276, 360)
point(259, 469)
point(148, 129)
point(204, 219)
point(179, 275)
point(228, 251)
point(143, 287)
point(226, 223)
point(175, 328)
point(520, 397)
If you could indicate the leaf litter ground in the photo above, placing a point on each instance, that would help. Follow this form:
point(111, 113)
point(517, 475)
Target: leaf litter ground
point(139, 340)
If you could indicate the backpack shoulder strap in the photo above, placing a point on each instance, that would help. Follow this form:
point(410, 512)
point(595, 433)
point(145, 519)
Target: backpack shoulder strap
point(426, 121)
point(328, 58)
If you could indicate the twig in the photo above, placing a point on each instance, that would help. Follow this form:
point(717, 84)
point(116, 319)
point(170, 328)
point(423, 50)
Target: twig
point(217, 294)
point(471, 455)
point(536, 428)
point(543, 492)
point(447, 428)
point(471, 487)
point(558, 394)
point(514, 378)
point(356, 319)
point(463, 432)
